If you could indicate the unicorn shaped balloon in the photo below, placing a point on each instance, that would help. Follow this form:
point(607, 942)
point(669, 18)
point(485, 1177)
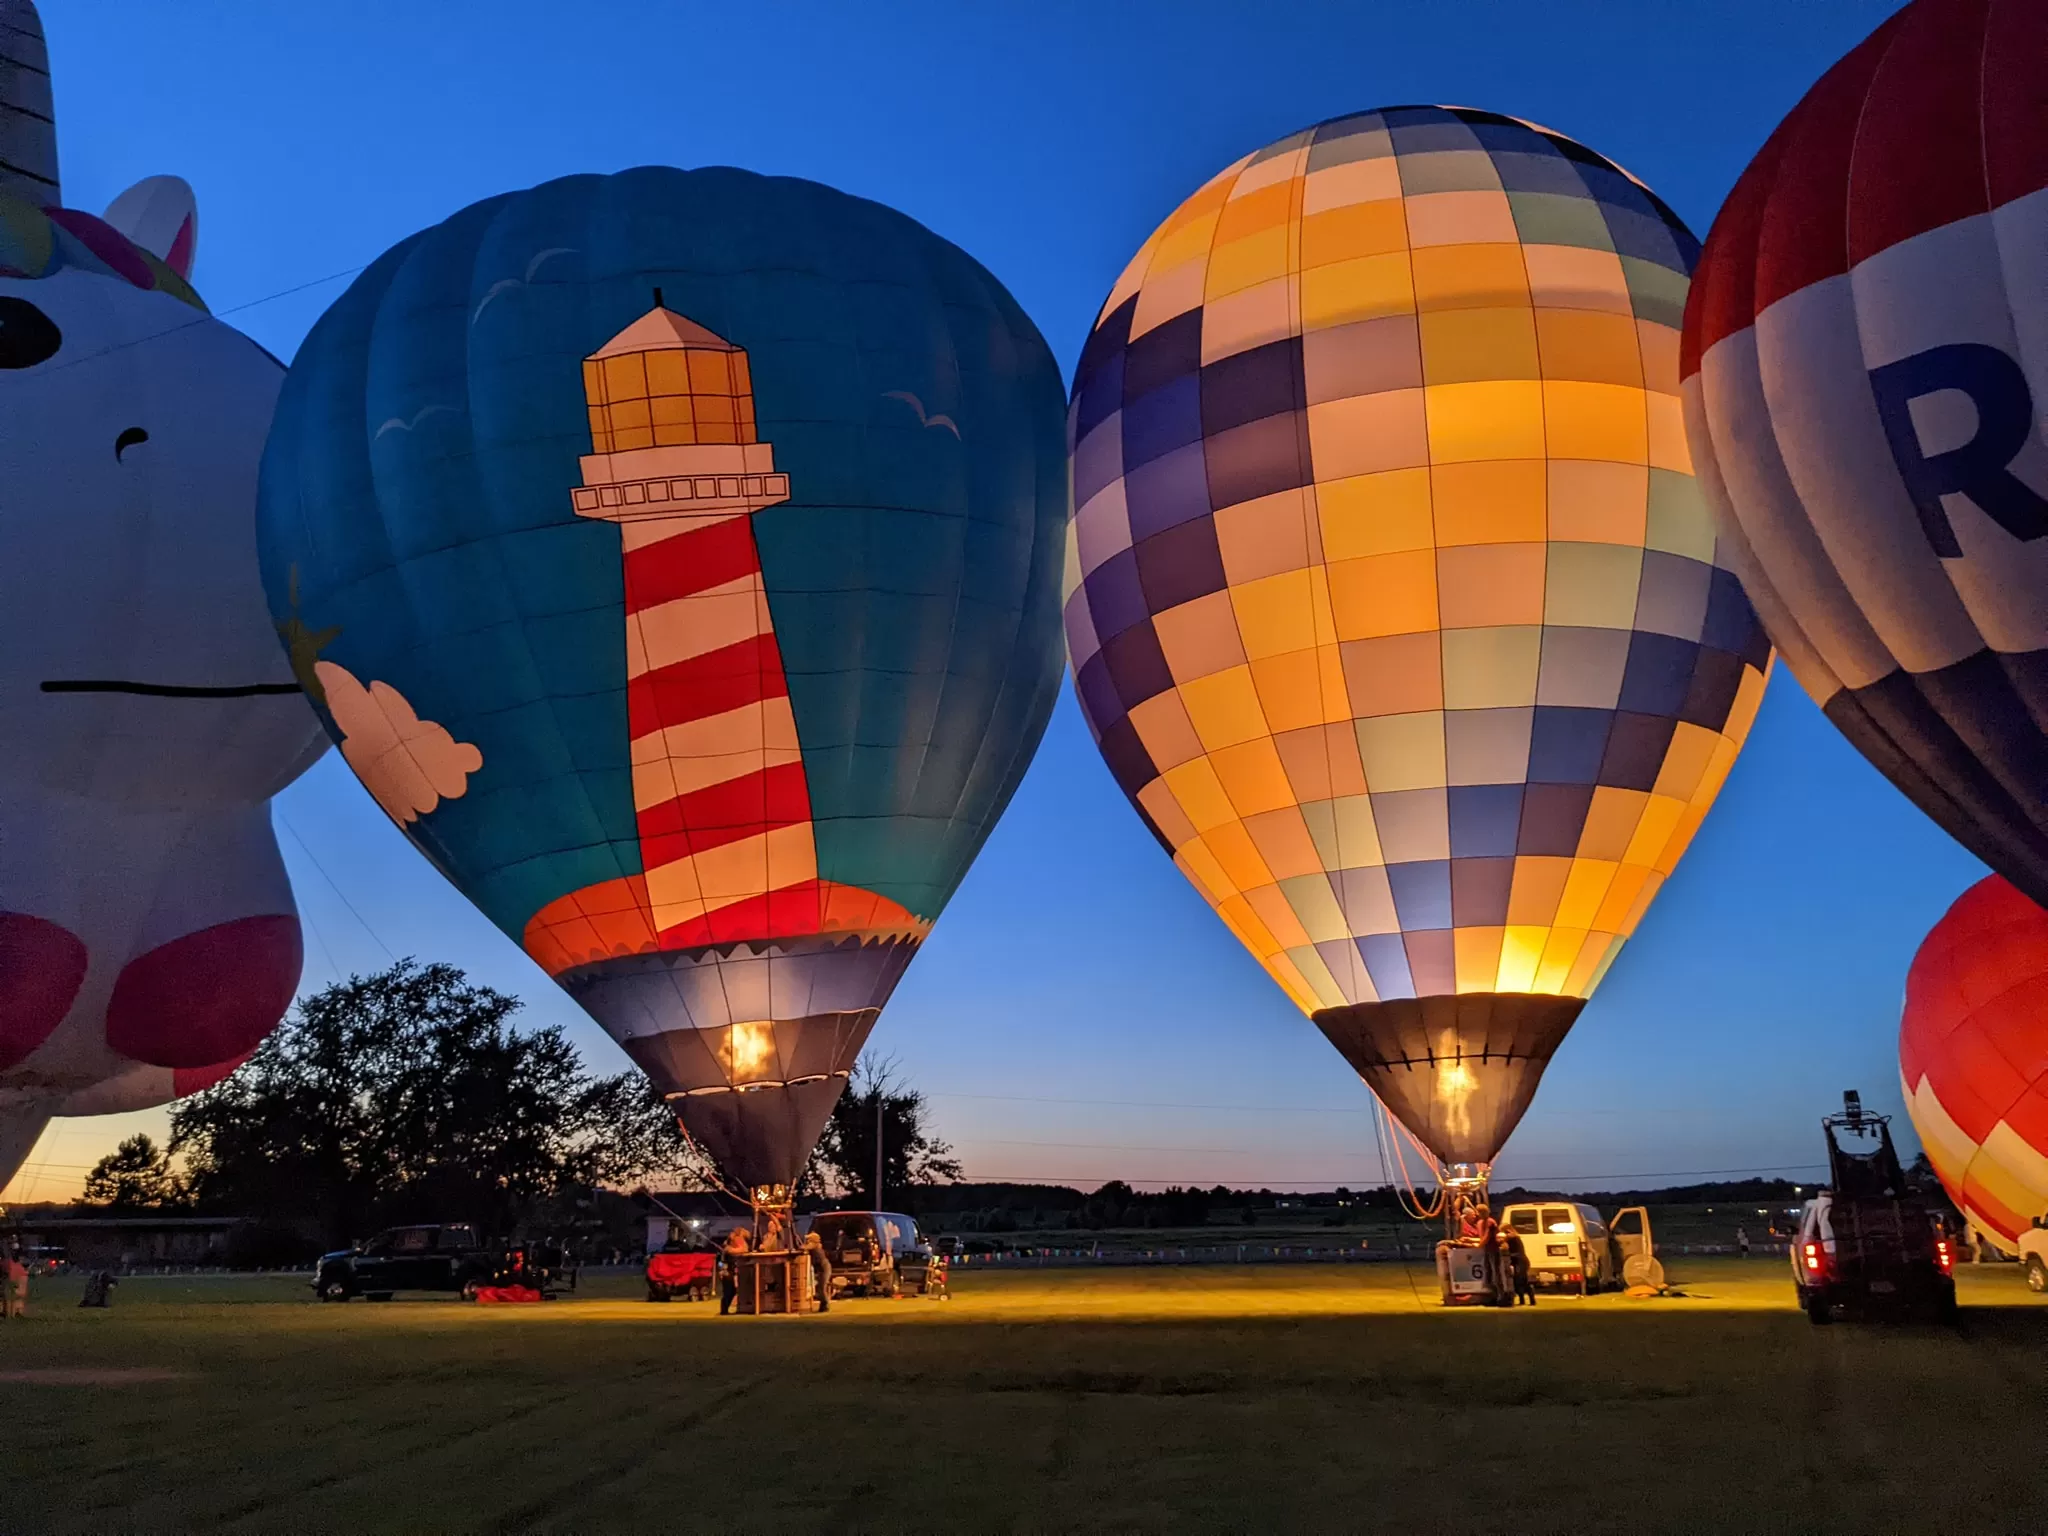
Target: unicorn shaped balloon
point(148, 940)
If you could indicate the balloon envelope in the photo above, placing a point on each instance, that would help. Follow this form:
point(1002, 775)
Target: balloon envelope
point(1866, 353)
point(675, 556)
point(1973, 1056)
point(148, 939)
point(1393, 604)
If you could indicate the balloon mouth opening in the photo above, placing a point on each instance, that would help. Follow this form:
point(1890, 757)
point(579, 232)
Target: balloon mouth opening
point(758, 1085)
point(1458, 1071)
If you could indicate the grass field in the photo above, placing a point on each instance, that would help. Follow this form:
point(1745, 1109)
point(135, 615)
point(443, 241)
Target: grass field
point(1205, 1398)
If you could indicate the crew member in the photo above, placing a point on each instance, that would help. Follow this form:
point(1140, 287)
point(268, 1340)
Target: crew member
point(14, 1274)
point(1479, 1229)
point(736, 1243)
point(1518, 1266)
point(821, 1269)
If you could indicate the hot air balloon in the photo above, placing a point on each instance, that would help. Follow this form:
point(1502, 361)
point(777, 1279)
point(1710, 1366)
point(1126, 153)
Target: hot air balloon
point(675, 556)
point(1866, 351)
point(148, 940)
point(1392, 602)
point(1973, 1057)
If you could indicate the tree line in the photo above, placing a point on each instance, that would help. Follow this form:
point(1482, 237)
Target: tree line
point(409, 1096)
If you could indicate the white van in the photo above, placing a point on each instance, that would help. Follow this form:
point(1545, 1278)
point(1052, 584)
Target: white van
point(1566, 1244)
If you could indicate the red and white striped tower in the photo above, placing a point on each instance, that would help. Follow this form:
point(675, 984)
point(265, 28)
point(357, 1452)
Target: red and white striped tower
point(718, 780)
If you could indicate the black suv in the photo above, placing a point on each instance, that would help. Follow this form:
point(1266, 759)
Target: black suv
point(442, 1258)
point(878, 1253)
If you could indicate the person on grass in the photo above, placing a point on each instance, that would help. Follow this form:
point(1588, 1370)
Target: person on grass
point(1518, 1266)
point(14, 1276)
point(736, 1243)
point(821, 1269)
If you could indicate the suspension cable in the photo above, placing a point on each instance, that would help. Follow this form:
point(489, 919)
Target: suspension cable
point(1390, 1133)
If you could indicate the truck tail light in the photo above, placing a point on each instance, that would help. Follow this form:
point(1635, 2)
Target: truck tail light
point(1944, 1255)
point(1810, 1254)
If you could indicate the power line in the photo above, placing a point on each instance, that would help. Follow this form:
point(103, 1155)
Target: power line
point(1254, 1109)
point(201, 319)
point(1331, 1182)
point(283, 293)
point(1112, 1146)
point(1678, 1173)
point(1259, 1109)
point(303, 848)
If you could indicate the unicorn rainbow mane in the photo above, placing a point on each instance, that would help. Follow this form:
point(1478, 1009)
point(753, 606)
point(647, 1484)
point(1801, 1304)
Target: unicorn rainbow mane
point(36, 242)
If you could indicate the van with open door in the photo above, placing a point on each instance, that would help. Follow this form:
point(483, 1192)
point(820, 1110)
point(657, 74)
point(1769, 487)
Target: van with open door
point(1569, 1244)
point(1635, 1252)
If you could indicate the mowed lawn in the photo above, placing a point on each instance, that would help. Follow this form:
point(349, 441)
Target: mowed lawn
point(1143, 1399)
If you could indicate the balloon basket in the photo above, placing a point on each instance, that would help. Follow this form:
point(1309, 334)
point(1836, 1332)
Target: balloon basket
point(765, 1284)
point(1471, 1275)
point(1471, 1269)
point(776, 1276)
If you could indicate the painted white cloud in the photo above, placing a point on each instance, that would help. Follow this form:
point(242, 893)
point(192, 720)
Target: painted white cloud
point(408, 764)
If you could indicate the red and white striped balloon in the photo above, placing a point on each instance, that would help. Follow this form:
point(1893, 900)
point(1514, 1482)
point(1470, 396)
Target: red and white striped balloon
point(1973, 1057)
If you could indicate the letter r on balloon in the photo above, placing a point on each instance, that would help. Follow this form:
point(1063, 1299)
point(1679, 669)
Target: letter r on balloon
point(1980, 468)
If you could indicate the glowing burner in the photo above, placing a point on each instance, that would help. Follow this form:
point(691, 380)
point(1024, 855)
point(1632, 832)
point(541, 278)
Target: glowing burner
point(748, 1052)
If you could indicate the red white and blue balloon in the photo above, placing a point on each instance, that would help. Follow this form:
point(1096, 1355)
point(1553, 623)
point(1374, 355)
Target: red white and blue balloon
point(1865, 367)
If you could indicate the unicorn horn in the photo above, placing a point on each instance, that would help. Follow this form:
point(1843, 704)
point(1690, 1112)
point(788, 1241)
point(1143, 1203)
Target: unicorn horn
point(28, 121)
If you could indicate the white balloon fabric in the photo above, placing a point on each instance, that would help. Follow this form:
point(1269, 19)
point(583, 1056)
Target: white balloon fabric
point(160, 214)
point(148, 938)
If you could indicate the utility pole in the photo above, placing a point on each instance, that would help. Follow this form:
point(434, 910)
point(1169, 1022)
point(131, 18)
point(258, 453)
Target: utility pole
point(880, 1100)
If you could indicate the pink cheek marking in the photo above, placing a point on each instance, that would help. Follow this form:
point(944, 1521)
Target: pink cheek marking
point(190, 1080)
point(41, 967)
point(207, 998)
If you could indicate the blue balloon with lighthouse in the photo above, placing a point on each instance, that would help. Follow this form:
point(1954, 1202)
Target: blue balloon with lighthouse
point(676, 556)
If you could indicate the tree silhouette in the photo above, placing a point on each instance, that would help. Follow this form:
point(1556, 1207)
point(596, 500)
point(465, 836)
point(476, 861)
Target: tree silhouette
point(407, 1095)
point(844, 1163)
point(135, 1176)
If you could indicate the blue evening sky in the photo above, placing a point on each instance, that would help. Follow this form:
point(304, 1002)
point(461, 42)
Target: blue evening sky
point(1078, 1013)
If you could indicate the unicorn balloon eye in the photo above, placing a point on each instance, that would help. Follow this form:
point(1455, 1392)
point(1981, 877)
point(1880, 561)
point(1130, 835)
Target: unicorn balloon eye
point(148, 940)
point(27, 335)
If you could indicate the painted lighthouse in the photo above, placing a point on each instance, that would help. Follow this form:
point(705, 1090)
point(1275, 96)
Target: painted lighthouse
point(718, 779)
point(741, 981)
point(727, 843)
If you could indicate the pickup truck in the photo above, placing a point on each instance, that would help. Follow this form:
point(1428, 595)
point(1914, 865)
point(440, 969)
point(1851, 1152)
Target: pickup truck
point(2033, 1246)
point(1867, 1244)
point(431, 1258)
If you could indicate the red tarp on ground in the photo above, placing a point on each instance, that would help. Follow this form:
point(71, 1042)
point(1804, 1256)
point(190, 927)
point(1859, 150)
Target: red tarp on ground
point(492, 1295)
